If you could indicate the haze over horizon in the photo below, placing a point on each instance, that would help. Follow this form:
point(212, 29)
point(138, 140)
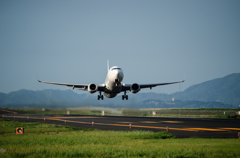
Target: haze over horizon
point(152, 41)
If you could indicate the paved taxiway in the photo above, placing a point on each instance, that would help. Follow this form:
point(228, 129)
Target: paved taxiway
point(180, 127)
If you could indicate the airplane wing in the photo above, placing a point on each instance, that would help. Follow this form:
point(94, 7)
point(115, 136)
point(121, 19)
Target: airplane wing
point(126, 87)
point(158, 84)
point(81, 86)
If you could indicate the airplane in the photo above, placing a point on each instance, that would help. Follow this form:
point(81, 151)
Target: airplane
point(113, 85)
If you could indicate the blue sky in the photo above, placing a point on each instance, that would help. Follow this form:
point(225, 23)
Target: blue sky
point(152, 41)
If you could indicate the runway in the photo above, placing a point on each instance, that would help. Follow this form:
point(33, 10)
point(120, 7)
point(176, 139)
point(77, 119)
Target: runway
point(180, 127)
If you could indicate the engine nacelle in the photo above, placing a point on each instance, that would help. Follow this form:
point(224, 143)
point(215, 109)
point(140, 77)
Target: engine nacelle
point(135, 88)
point(92, 88)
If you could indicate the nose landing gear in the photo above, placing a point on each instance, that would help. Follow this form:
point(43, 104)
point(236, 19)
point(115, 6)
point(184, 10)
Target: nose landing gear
point(117, 82)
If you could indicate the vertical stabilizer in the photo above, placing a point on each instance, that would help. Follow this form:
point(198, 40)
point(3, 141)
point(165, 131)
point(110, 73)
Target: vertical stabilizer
point(108, 65)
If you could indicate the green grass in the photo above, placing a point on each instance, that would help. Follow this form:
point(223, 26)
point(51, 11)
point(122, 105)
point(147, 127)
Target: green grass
point(44, 140)
point(151, 135)
point(9, 127)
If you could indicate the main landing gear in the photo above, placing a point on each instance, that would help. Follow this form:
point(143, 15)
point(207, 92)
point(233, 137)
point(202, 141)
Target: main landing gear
point(124, 96)
point(100, 96)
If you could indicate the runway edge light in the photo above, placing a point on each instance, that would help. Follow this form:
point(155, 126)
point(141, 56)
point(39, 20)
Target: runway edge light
point(19, 130)
point(239, 135)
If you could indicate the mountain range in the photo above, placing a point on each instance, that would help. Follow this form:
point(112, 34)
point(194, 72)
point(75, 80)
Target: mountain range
point(224, 92)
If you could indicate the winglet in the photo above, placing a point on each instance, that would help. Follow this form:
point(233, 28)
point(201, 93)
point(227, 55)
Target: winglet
point(38, 79)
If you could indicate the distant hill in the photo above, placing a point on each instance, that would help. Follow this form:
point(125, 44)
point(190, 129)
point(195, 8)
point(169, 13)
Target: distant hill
point(44, 97)
point(225, 90)
point(222, 91)
point(182, 104)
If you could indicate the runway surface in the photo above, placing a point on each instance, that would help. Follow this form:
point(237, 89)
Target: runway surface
point(180, 127)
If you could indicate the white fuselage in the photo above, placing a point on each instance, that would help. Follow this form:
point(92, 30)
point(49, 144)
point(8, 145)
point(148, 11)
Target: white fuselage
point(113, 82)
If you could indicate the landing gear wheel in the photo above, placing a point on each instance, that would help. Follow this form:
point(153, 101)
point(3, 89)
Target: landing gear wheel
point(125, 96)
point(100, 97)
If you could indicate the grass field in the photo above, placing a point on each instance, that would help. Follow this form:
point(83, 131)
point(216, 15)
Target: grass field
point(45, 140)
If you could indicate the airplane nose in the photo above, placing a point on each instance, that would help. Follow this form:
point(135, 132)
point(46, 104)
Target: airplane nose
point(118, 75)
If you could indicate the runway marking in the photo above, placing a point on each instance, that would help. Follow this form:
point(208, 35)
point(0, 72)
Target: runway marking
point(172, 121)
point(9, 111)
point(183, 129)
point(54, 119)
point(126, 125)
point(78, 117)
point(202, 129)
point(161, 121)
point(149, 122)
point(237, 129)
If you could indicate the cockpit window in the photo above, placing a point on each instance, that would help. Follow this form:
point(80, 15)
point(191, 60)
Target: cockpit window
point(116, 68)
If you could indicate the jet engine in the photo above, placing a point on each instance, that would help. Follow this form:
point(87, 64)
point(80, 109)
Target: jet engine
point(92, 88)
point(135, 88)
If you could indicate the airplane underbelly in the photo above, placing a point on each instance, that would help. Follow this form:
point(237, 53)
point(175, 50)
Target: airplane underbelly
point(112, 90)
point(110, 95)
